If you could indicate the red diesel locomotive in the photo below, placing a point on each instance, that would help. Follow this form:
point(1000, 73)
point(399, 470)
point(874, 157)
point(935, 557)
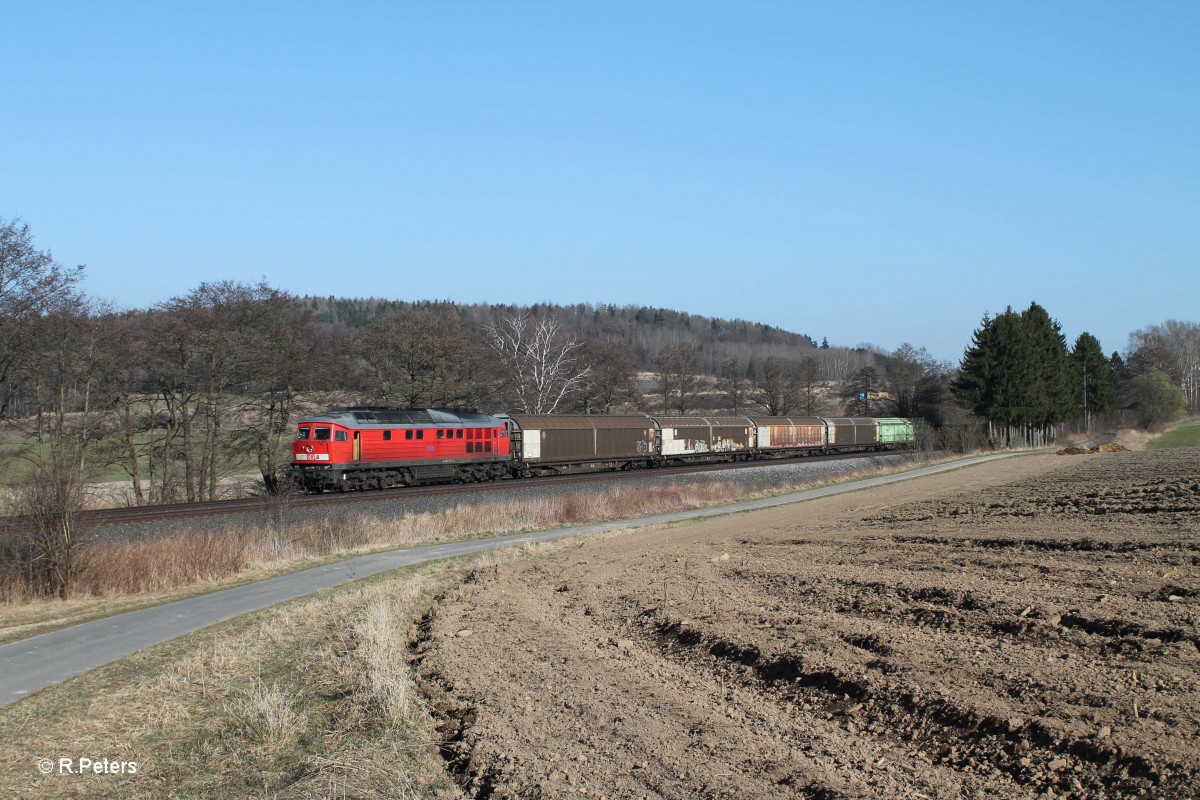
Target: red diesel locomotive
point(377, 448)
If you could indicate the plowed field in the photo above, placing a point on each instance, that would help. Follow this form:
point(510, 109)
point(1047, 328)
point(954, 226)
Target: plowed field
point(1026, 628)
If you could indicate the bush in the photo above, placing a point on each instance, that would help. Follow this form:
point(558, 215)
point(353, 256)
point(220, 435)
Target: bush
point(1156, 399)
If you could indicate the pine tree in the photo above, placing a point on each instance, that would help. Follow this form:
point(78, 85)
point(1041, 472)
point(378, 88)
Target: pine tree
point(1049, 380)
point(973, 388)
point(1093, 378)
point(1015, 376)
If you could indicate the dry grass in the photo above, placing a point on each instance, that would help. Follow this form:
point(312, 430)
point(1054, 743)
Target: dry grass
point(310, 700)
point(120, 574)
point(381, 654)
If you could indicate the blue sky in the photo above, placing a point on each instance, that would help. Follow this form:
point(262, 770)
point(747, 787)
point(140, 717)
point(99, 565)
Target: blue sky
point(866, 172)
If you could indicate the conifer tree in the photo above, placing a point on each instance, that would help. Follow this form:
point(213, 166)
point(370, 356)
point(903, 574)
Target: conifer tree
point(1050, 380)
point(1015, 375)
point(1093, 379)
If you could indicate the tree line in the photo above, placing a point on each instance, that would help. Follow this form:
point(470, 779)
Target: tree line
point(1020, 377)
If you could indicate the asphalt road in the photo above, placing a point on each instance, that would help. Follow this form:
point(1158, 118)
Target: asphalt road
point(40, 661)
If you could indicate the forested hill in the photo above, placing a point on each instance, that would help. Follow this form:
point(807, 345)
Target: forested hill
point(643, 329)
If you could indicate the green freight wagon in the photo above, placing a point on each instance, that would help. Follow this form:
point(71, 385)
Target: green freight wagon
point(896, 432)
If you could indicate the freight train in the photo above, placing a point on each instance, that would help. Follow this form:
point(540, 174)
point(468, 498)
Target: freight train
point(351, 449)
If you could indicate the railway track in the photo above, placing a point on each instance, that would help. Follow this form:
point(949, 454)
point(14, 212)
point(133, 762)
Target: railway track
point(97, 518)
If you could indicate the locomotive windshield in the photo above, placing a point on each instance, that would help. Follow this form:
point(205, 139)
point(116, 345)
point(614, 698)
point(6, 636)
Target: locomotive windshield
point(321, 434)
point(302, 434)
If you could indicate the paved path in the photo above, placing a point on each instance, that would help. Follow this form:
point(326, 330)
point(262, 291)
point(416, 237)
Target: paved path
point(40, 661)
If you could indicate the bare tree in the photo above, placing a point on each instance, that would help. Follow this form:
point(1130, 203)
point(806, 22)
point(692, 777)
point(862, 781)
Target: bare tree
point(48, 505)
point(199, 348)
point(611, 384)
point(128, 392)
point(858, 391)
point(914, 381)
point(678, 376)
point(540, 362)
point(807, 378)
point(733, 383)
point(775, 386)
point(423, 357)
point(32, 286)
point(289, 353)
point(171, 357)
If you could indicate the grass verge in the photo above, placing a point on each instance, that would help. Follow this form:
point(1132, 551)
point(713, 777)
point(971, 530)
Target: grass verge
point(1186, 435)
point(311, 699)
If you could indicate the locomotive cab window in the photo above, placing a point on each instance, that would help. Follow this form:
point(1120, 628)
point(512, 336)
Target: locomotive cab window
point(339, 436)
point(321, 434)
point(408, 434)
point(302, 434)
point(441, 434)
point(420, 434)
point(387, 436)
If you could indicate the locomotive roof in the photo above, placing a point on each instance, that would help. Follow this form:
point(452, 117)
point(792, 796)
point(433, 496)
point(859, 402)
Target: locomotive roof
point(380, 415)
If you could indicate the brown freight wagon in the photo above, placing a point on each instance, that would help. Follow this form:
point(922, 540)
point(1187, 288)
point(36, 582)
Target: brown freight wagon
point(780, 435)
point(546, 444)
point(691, 438)
point(857, 433)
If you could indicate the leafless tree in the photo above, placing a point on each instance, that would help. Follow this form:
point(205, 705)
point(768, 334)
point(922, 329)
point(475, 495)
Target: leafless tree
point(733, 383)
point(47, 506)
point(774, 386)
point(856, 392)
point(678, 376)
point(287, 355)
point(540, 362)
point(199, 349)
point(611, 384)
point(32, 286)
point(807, 377)
point(172, 359)
point(423, 357)
point(914, 382)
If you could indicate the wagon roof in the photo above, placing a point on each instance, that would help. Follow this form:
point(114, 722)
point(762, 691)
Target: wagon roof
point(761, 421)
point(687, 421)
point(359, 416)
point(599, 422)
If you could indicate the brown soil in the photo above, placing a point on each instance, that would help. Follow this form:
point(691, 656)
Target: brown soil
point(1027, 628)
